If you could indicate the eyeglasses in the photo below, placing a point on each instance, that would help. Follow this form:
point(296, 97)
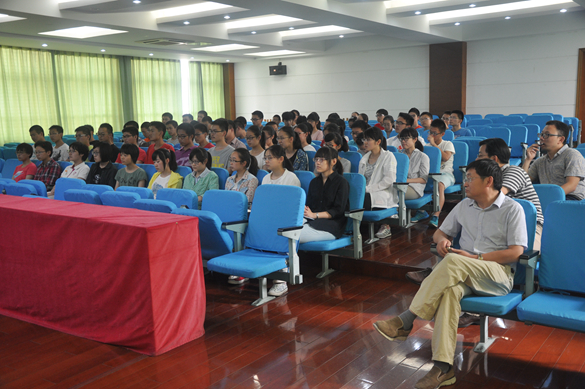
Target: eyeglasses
point(281, 138)
point(405, 138)
point(546, 135)
point(183, 136)
point(319, 160)
point(268, 157)
point(249, 138)
point(379, 114)
point(39, 152)
point(332, 145)
point(198, 134)
point(234, 160)
point(400, 123)
point(95, 153)
point(467, 179)
point(79, 135)
point(257, 119)
point(433, 133)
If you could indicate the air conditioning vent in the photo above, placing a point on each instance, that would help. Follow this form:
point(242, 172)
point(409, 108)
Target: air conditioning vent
point(172, 42)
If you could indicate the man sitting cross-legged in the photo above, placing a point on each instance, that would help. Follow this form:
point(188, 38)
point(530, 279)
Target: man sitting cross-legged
point(493, 236)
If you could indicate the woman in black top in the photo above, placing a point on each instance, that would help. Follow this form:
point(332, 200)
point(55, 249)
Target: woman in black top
point(327, 200)
point(102, 171)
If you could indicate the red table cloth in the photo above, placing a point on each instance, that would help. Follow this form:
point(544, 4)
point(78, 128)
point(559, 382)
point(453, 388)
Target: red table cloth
point(115, 275)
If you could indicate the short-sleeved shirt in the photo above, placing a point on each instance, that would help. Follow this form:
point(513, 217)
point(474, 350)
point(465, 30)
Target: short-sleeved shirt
point(462, 132)
point(238, 144)
point(418, 167)
point(80, 171)
point(131, 179)
point(300, 160)
point(221, 158)
point(497, 227)
point(20, 173)
point(317, 135)
point(61, 153)
point(288, 178)
point(247, 185)
point(519, 186)
point(141, 156)
point(151, 151)
point(566, 163)
point(48, 173)
point(447, 166)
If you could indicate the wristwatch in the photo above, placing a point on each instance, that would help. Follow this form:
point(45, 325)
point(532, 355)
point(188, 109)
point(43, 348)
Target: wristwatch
point(317, 215)
point(480, 257)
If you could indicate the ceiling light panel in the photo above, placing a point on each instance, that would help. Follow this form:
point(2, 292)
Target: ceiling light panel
point(315, 32)
point(199, 10)
point(7, 18)
point(275, 53)
point(82, 32)
point(400, 6)
point(231, 47)
point(261, 22)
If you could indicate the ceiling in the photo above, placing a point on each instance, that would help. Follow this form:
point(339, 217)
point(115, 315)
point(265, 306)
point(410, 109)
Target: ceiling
point(179, 29)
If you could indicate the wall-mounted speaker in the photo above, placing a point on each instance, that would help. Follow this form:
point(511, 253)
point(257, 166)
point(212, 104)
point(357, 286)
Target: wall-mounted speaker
point(278, 70)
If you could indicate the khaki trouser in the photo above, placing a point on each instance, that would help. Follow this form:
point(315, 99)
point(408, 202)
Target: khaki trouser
point(537, 237)
point(440, 294)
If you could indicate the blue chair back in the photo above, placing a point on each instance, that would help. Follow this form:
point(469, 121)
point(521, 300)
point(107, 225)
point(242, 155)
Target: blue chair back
point(357, 193)
point(180, 197)
point(354, 157)
point(260, 175)
point(149, 169)
point(449, 135)
point(473, 116)
point(62, 184)
point(305, 178)
point(391, 148)
point(311, 155)
point(9, 166)
point(228, 205)
point(64, 164)
point(402, 164)
point(119, 199)
point(548, 194)
point(144, 193)
point(518, 135)
point(162, 206)
point(478, 122)
point(461, 158)
point(522, 115)
point(493, 116)
point(540, 120)
point(561, 260)
point(222, 175)
point(473, 144)
point(184, 171)
point(18, 189)
point(533, 130)
point(509, 120)
point(83, 196)
point(214, 241)
point(99, 189)
point(434, 155)
point(495, 132)
point(39, 186)
point(9, 153)
point(1, 163)
point(530, 217)
point(263, 224)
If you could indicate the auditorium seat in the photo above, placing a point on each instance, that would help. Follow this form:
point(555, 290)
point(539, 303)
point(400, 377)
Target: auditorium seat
point(305, 178)
point(510, 120)
point(18, 189)
point(548, 194)
point(9, 153)
point(98, 188)
point(149, 169)
point(82, 196)
point(354, 158)
point(184, 171)
point(260, 175)
point(182, 198)
point(39, 186)
point(155, 205)
point(144, 193)
point(495, 132)
point(460, 159)
point(222, 175)
point(119, 199)
point(311, 156)
point(64, 164)
point(62, 184)
point(230, 206)
point(9, 166)
point(429, 201)
point(478, 122)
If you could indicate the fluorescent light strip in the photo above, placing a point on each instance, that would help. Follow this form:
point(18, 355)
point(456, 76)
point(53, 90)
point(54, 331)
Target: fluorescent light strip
point(189, 9)
point(408, 3)
point(275, 53)
point(260, 21)
point(230, 47)
point(490, 9)
point(82, 32)
point(313, 30)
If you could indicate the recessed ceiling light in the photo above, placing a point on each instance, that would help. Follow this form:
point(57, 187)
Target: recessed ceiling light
point(186, 22)
point(151, 54)
point(417, 13)
point(507, 18)
point(260, 21)
point(44, 45)
point(103, 50)
point(137, 1)
point(563, 10)
point(192, 57)
point(291, 28)
point(230, 47)
point(227, 60)
point(457, 24)
point(471, 5)
point(226, 17)
point(274, 53)
point(82, 32)
point(341, 36)
point(253, 32)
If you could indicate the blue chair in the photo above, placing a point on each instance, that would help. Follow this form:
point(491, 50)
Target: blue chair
point(64, 164)
point(354, 157)
point(305, 178)
point(271, 242)
point(392, 149)
point(39, 186)
point(509, 120)
point(83, 196)
point(62, 184)
point(184, 171)
point(460, 161)
point(478, 122)
point(222, 175)
point(533, 131)
point(449, 135)
point(155, 205)
point(548, 194)
point(473, 116)
point(119, 199)
point(311, 156)
point(180, 197)
point(98, 188)
point(352, 236)
point(231, 207)
point(473, 144)
point(9, 166)
point(492, 116)
point(429, 201)
point(559, 302)
point(518, 141)
point(144, 193)
point(260, 175)
point(18, 189)
point(352, 148)
point(1, 164)
point(9, 153)
point(522, 115)
point(149, 169)
point(495, 132)
point(539, 120)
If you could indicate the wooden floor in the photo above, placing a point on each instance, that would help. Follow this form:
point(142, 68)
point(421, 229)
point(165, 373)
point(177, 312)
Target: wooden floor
point(320, 335)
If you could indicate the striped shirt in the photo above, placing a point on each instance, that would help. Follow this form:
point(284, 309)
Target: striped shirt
point(520, 187)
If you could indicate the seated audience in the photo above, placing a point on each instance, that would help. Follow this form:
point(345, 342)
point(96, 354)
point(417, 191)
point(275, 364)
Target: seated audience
point(358, 127)
point(201, 135)
point(256, 140)
point(419, 163)
point(102, 172)
point(106, 135)
point(83, 135)
point(315, 122)
point(145, 129)
point(240, 127)
point(403, 121)
point(289, 140)
point(244, 180)
point(359, 141)
point(130, 137)
point(185, 135)
point(77, 155)
point(37, 134)
point(288, 118)
point(61, 149)
point(220, 154)
point(304, 133)
point(207, 120)
point(171, 127)
point(415, 114)
point(388, 124)
point(446, 117)
point(426, 118)
point(166, 117)
point(200, 115)
point(455, 120)
point(276, 119)
point(156, 132)
point(27, 169)
point(231, 138)
point(337, 142)
point(131, 175)
point(166, 175)
point(187, 118)
point(257, 118)
point(364, 117)
point(49, 170)
point(380, 115)
point(203, 178)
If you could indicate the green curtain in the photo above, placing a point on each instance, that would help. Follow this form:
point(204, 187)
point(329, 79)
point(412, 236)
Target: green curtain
point(89, 90)
point(27, 93)
point(156, 88)
point(207, 88)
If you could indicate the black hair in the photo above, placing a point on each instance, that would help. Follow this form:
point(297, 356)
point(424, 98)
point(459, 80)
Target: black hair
point(351, 121)
point(131, 130)
point(382, 111)
point(305, 129)
point(26, 148)
point(333, 115)
point(163, 154)
point(143, 125)
point(409, 119)
point(56, 127)
point(389, 117)
point(231, 125)
point(376, 134)
point(84, 129)
point(108, 127)
point(427, 114)
point(278, 116)
point(301, 119)
point(207, 119)
point(459, 113)
point(202, 155)
point(189, 129)
point(341, 124)
point(365, 117)
point(412, 133)
point(173, 123)
point(80, 148)
point(105, 151)
point(221, 123)
point(251, 162)
point(329, 154)
point(332, 127)
point(314, 116)
point(203, 112)
point(240, 122)
point(188, 115)
point(447, 112)
point(168, 115)
point(131, 150)
point(90, 127)
point(296, 112)
point(255, 130)
point(278, 151)
point(45, 145)
point(287, 116)
point(497, 147)
point(38, 129)
point(439, 124)
point(131, 123)
point(488, 168)
point(291, 133)
point(201, 127)
point(561, 127)
point(259, 114)
point(361, 124)
point(271, 134)
point(338, 140)
point(160, 126)
point(359, 139)
point(415, 110)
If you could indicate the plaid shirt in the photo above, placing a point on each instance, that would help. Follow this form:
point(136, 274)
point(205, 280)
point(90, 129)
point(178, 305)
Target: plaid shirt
point(48, 173)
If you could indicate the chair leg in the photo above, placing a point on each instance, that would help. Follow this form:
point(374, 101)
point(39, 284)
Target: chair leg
point(484, 340)
point(372, 235)
point(325, 270)
point(264, 297)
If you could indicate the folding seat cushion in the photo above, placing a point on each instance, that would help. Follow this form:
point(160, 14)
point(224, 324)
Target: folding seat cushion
point(214, 240)
point(180, 197)
point(144, 193)
point(39, 186)
point(99, 188)
point(82, 196)
point(119, 199)
point(62, 184)
point(155, 205)
point(18, 189)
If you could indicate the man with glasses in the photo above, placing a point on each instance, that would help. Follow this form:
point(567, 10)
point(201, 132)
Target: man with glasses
point(83, 136)
point(130, 137)
point(380, 115)
point(403, 121)
point(49, 170)
point(425, 120)
point(493, 236)
point(185, 134)
point(357, 127)
point(220, 154)
point(559, 165)
point(106, 135)
point(455, 120)
point(257, 117)
point(446, 117)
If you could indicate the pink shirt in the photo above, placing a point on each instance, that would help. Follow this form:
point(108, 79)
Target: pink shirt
point(20, 173)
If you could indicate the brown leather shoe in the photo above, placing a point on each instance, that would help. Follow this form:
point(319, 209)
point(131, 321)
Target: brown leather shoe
point(419, 276)
point(435, 379)
point(392, 329)
point(466, 320)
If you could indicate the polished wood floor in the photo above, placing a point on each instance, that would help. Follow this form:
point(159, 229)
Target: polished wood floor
point(320, 335)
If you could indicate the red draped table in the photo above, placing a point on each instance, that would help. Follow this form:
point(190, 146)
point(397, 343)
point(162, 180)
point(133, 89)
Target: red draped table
point(115, 275)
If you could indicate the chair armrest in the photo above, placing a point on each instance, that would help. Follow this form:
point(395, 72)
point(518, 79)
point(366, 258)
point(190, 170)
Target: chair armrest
point(463, 169)
point(293, 233)
point(356, 214)
point(235, 226)
point(529, 259)
point(435, 174)
point(401, 186)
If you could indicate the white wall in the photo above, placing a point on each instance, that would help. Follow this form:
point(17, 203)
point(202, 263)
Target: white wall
point(395, 79)
point(524, 74)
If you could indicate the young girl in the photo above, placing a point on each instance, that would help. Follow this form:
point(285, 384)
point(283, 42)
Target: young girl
point(327, 199)
point(315, 123)
point(78, 153)
point(379, 168)
point(304, 133)
point(202, 179)
point(257, 141)
point(102, 171)
point(418, 168)
point(28, 169)
point(269, 136)
point(291, 143)
point(166, 176)
point(131, 175)
point(337, 142)
point(244, 180)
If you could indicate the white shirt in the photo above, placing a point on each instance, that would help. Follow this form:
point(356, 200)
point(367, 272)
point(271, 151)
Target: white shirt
point(288, 178)
point(260, 159)
point(160, 183)
point(447, 166)
point(79, 171)
point(309, 148)
point(394, 141)
point(61, 153)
